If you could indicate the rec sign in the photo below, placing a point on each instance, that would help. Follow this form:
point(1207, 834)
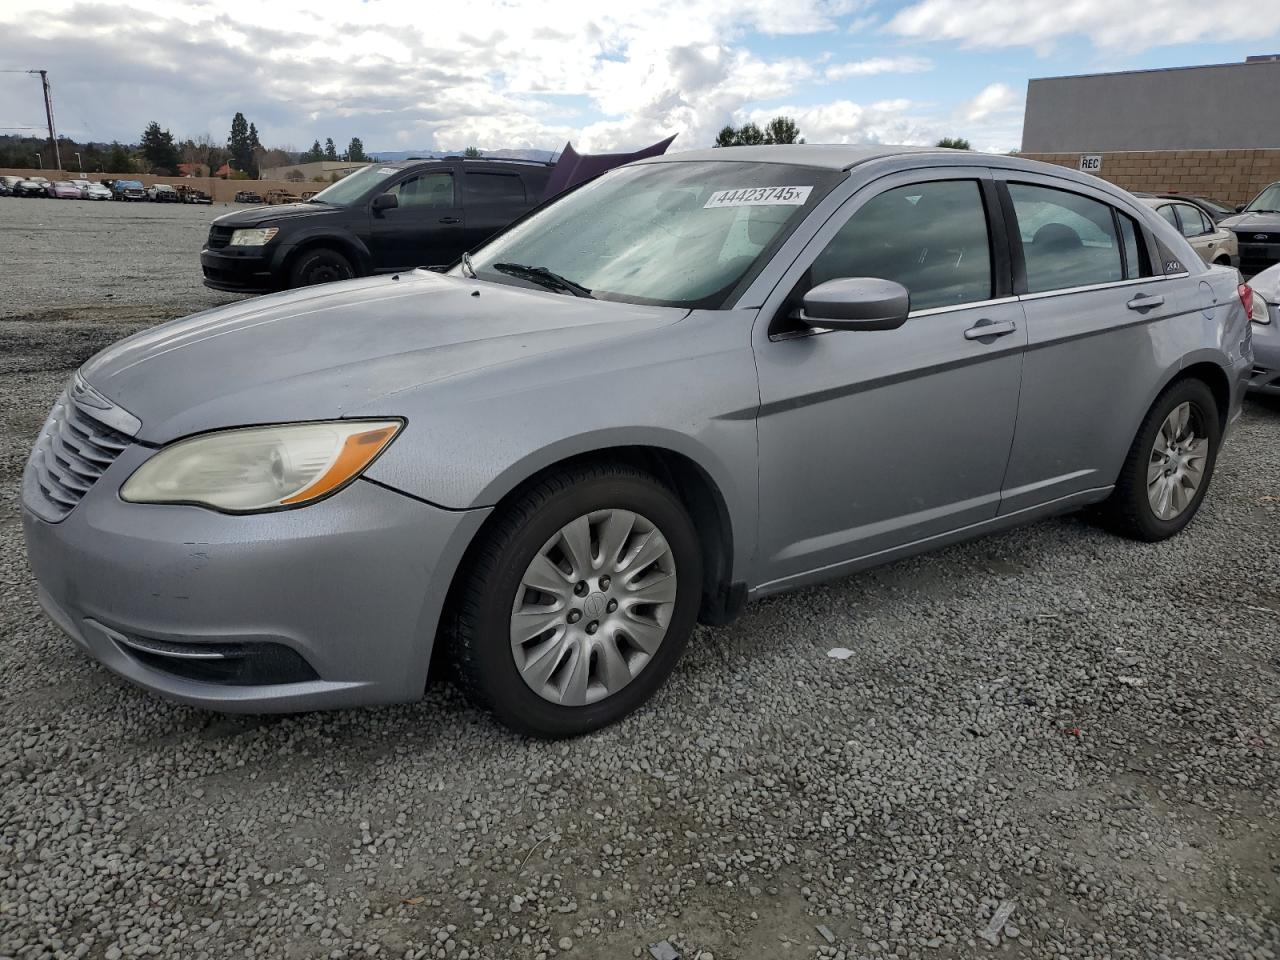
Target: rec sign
point(1091, 162)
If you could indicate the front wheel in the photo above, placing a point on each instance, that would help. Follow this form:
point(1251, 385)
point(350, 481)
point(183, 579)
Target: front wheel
point(1167, 472)
point(577, 604)
point(319, 265)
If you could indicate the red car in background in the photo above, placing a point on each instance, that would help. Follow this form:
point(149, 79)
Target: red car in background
point(63, 190)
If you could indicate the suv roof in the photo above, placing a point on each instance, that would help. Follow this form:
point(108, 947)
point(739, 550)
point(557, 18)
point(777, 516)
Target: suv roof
point(412, 160)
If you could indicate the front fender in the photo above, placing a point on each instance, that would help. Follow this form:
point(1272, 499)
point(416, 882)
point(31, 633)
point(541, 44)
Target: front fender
point(349, 244)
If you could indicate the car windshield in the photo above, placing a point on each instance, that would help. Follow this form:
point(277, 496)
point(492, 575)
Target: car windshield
point(353, 186)
point(1268, 201)
point(675, 234)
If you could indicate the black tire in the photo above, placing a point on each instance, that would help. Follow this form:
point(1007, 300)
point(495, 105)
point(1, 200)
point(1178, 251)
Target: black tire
point(478, 620)
point(1128, 510)
point(319, 265)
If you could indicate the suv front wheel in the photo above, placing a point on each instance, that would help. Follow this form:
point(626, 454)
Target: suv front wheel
point(319, 265)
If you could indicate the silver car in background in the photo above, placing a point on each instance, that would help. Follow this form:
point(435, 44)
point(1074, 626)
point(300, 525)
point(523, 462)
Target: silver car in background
point(1266, 332)
point(696, 380)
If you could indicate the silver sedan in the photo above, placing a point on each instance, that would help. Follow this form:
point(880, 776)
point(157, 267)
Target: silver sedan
point(697, 380)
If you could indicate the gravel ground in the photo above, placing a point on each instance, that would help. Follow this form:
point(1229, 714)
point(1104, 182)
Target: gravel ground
point(1053, 743)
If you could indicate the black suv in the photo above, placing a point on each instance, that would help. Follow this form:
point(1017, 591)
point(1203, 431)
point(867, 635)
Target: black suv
point(382, 218)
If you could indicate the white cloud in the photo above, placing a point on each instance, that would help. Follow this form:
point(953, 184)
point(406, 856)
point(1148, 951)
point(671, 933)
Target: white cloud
point(1117, 24)
point(875, 65)
point(994, 98)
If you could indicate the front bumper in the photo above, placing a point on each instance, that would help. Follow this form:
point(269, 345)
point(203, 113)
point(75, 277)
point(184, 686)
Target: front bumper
point(351, 587)
point(1265, 378)
point(238, 269)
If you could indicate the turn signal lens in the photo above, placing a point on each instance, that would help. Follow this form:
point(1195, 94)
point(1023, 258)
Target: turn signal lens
point(261, 468)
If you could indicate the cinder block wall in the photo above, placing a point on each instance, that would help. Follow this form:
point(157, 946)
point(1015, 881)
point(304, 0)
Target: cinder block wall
point(1233, 176)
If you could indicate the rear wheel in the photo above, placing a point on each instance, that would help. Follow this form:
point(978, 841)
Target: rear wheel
point(577, 604)
point(1168, 469)
point(319, 265)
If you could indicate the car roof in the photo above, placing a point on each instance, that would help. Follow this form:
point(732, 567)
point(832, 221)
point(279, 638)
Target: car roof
point(830, 156)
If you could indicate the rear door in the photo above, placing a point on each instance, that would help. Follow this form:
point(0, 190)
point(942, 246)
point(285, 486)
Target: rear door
point(1095, 290)
point(492, 198)
point(424, 229)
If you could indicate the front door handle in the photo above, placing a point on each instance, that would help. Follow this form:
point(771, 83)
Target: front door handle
point(448, 220)
point(990, 328)
point(1144, 302)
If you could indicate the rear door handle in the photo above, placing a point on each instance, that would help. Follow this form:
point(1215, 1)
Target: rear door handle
point(989, 328)
point(448, 220)
point(1144, 302)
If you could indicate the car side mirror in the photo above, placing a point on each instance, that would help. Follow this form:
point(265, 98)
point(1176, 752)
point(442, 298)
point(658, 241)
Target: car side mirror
point(1240, 208)
point(857, 303)
point(384, 201)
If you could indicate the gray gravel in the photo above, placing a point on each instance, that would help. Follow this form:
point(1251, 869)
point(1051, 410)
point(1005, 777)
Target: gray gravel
point(1053, 743)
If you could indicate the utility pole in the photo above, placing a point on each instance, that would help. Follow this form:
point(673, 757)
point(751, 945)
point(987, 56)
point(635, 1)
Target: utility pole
point(48, 112)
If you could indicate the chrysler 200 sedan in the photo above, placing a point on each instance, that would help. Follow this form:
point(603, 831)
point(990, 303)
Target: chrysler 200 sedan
point(696, 380)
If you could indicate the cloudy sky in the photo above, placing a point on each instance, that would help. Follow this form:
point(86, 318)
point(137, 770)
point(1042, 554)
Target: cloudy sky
point(418, 74)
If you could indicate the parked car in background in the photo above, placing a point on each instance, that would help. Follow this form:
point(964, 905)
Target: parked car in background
point(128, 190)
point(1217, 210)
point(248, 196)
point(1213, 243)
point(63, 190)
point(192, 195)
point(97, 191)
point(163, 193)
point(382, 218)
point(83, 185)
point(643, 405)
point(32, 187)
point(7, 183)
point(1257, 228)
point(1266, 332)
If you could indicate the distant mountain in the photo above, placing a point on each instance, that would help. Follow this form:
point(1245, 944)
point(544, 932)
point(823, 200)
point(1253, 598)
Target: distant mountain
point(390, 156)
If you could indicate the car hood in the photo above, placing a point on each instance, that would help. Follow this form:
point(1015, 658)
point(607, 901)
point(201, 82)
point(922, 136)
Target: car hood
point(267, 214)
point(1243, 222)
point(344, 349)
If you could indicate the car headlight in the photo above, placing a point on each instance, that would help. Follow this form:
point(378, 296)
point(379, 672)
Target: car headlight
point(251, 469)
point(253, 238)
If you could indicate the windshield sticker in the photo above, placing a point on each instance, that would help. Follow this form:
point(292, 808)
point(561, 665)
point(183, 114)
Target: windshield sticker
point(386, 169)
point(758, 197)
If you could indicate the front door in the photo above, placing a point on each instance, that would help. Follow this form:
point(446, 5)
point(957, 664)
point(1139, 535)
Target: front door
point(424, 229)
point(878, 439)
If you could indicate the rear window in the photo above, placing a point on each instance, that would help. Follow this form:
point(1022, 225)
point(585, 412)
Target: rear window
point(503, 188)
point(1068, 240)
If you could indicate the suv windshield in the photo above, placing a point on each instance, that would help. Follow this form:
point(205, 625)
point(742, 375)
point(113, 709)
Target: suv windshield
point(1268, 201)
point(674, 234)
point(353, 186)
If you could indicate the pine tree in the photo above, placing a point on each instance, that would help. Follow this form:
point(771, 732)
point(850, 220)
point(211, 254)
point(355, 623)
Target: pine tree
point(159, 149)
point(355, 151)
point(330, 151)
point(239, 144)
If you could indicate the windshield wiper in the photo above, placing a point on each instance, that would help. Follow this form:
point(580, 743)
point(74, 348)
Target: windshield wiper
point(467, 269)
point(543, 278)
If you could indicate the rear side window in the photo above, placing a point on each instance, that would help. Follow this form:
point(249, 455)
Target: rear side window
point(504, 188)
point(1068, 240)
point(930, 237)
point(1167, 212)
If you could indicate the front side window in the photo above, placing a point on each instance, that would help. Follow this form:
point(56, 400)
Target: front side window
point(504, 188)
point(1068, 240)
point(425, 190)
point(930, 237)
point(681, 233)
point(1193, 224)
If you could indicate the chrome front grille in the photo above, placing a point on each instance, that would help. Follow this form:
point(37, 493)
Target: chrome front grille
point(73, 451)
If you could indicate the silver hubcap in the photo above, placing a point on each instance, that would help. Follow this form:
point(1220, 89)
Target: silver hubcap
point(1177, 464)
point(593, 607)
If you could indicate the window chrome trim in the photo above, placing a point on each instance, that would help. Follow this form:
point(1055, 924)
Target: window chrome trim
point(1043, 294)
point(953, 307)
